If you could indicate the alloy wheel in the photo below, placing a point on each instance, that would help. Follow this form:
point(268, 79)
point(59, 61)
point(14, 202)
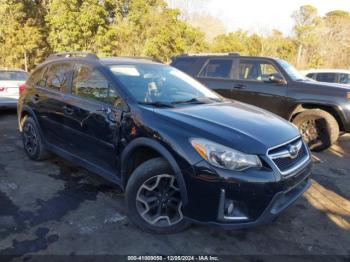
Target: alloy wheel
point(30, 138)
point(158, 201)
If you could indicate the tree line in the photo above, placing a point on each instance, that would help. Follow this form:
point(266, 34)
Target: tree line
point(32, 29)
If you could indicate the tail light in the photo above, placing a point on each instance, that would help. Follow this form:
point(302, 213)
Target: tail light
point(22, 88)
point(2, 89)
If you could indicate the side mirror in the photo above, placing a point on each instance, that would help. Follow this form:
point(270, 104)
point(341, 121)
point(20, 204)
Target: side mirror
point(277, 78)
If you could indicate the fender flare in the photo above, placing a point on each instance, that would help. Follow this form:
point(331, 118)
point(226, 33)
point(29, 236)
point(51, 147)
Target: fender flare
point(335, 107)
point(155, 145)
point(28, 111)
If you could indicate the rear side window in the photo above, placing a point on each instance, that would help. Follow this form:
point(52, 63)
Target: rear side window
point(344, 78)
point(58, 76)
point(185, 64)
point(88, 82)
point(217, 68)
point(326, 77)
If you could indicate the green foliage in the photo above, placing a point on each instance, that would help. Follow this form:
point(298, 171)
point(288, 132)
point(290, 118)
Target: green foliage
point(21, 33)
point(31, 29)
point(109, 27)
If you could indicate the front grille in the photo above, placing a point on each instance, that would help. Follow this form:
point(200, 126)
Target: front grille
point(282, 158)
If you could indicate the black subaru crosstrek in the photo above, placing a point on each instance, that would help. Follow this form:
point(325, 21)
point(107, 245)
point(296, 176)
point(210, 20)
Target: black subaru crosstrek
point(182, 153)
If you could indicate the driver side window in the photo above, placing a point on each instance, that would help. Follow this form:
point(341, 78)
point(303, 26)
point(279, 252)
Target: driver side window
point(256, 70)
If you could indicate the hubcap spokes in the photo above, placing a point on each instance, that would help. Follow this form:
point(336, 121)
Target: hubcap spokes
point(30, 138)
point(158, 201)
point(309, 130)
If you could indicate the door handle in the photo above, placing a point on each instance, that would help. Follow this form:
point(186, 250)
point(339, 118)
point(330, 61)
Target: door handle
point(105, 110)
point(35, 98)
point(239, 86)
point(68, 110)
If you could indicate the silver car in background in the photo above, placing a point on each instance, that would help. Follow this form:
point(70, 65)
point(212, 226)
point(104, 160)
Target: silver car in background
point(11, 83)
point(338, 76)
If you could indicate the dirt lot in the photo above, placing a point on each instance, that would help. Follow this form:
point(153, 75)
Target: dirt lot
point(52, 207)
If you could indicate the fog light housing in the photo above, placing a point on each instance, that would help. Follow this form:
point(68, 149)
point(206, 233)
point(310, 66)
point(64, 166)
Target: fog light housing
point(231, 210)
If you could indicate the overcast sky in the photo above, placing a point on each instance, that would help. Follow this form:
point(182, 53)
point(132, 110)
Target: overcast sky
point(264, 15)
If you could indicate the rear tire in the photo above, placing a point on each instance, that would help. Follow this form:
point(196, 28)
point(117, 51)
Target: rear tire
point(32, 141)
point(153, 198)
point(319, 129)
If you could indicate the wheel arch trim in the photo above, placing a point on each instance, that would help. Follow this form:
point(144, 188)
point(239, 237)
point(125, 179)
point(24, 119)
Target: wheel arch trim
point(338, 110)
point(155, 145)
point(28, 111)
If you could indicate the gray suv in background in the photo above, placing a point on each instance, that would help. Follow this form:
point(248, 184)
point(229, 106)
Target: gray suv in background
point(320, 110)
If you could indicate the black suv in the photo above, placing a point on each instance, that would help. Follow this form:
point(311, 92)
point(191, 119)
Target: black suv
point(181, 152)
point(319, 110)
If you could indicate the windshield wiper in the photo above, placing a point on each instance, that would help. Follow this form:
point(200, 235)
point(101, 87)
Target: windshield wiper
point(198, 100)
point(157, 104)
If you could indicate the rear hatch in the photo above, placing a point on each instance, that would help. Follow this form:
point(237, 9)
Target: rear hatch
point(10, 82)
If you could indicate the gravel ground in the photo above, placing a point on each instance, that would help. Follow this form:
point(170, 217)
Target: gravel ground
point(55, 208)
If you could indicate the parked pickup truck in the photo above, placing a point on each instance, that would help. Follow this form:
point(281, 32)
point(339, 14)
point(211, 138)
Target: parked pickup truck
point(320, 110)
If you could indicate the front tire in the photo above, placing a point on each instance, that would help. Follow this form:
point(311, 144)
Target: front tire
point(32, 141)
point(319, 129)
point(153, 198)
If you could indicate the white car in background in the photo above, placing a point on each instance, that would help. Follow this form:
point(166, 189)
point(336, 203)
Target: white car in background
point(11, 83)
point(339, 76)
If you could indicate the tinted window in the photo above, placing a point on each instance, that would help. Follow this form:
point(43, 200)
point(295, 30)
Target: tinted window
point(344, 78)
point(13, 76)
point(58, 76)
point(256, 70)
point(185, 64)
point(217, 68)
point(326, 77)
point(90, 83)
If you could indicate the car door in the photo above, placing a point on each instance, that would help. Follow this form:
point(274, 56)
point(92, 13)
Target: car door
point(47, 99)
point(254, 85)
point(217, 74)
point(93, 112)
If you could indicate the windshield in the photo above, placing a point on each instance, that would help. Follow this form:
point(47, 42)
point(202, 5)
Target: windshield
point(293, 73)
point(149, 83)
point(13, 76)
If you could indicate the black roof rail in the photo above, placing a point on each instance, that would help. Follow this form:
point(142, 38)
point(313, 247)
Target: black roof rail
point(234, 54)
point(72, 54)
point(210, 54)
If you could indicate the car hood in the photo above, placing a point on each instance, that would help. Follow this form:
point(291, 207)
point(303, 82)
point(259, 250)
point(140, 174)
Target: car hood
point(327, 85)
point(241, 126)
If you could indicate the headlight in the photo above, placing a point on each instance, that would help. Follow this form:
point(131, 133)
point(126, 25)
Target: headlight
point(224, 157)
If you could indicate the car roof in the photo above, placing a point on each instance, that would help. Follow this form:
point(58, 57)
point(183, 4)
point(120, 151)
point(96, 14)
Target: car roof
point(222, 55)
point(128, 60)
point(104, 60)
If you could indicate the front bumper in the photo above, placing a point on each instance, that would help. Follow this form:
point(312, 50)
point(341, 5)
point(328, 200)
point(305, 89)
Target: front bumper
point(278, 204)
point(264, 196)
